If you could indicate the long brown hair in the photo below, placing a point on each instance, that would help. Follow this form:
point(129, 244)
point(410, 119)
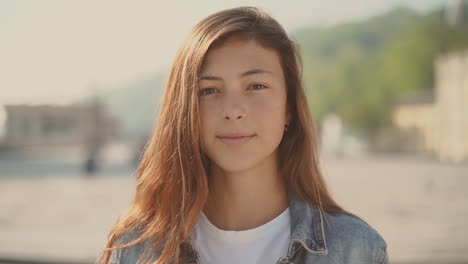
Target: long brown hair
point(172, 185)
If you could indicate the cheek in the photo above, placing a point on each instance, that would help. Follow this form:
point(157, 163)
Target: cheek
point(269, 110)
point(270, 120)
point(207, 124)
point(205, 120)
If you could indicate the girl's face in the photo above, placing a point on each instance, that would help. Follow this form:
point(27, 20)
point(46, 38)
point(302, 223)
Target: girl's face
point(242, 94)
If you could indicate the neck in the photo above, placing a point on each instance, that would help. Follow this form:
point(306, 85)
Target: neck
point(247, 199)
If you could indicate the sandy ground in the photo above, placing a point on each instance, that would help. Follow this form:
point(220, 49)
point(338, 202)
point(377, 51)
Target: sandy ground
point(418, 206)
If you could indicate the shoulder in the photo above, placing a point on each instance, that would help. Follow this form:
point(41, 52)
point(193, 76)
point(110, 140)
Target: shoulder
point(354, 237)
point(128, 254)
point(350, 227)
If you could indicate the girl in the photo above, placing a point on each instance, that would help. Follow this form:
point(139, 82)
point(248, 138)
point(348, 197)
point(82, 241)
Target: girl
point(231, 172)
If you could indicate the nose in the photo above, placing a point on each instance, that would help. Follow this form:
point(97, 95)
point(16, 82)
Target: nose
point(234, 108)
point(234, 116)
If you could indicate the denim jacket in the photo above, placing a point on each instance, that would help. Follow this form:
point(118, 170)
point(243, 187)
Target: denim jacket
point(317, 237)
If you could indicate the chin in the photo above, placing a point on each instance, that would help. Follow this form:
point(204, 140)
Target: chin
point(233, 167)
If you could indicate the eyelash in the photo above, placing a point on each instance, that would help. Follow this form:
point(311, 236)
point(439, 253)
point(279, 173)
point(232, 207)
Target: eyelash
point(202, 92)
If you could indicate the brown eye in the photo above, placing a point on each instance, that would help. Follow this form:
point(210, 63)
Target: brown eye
point(207, 91)
point(257, 86)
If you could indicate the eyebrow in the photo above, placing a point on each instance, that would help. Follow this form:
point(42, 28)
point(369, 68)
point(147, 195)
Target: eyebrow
point(244, 74)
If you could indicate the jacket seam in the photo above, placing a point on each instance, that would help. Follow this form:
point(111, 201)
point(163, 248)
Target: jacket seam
point(382, 257)
point(319, 231)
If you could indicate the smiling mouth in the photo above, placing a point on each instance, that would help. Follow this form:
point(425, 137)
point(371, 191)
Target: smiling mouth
point(236, 140)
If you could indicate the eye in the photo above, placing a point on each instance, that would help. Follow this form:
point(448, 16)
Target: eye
point(207, 91)
point(257, 86)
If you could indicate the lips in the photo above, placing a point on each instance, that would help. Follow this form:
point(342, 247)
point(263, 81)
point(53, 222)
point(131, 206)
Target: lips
point(235, 135)
point(235, 138)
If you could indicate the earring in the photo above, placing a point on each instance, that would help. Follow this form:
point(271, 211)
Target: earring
point(286, 127)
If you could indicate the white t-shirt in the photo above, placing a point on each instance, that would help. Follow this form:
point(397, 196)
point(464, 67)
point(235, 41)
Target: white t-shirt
point(261, 245)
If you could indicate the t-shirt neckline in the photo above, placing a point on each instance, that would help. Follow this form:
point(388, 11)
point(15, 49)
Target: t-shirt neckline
point(231, 236)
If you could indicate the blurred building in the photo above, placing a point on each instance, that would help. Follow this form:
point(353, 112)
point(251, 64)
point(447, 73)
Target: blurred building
point(415, 118)
point(331, 135)
point(457, 13)
point(440, 125)
point(51, 127)
point(451, 124)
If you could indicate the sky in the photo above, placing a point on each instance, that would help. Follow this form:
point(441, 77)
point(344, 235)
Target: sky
point(56, 52)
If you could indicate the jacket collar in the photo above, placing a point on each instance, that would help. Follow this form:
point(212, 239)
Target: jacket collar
point(306, 227)
point(306, 230)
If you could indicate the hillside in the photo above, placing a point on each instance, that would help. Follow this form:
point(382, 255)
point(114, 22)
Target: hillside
point(360, 70)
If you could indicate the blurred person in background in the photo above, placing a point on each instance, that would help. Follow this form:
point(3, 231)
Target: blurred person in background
point(231, 172)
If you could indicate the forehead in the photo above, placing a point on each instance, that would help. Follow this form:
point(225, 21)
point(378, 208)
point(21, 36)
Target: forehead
point(236, 54)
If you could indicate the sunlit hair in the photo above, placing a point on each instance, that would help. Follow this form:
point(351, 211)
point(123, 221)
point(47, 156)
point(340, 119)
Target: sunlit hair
point(172, 182)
